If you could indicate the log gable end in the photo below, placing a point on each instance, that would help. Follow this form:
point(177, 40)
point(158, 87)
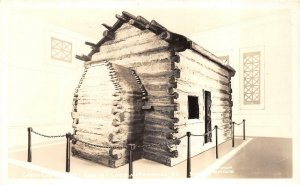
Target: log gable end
point(143, 97)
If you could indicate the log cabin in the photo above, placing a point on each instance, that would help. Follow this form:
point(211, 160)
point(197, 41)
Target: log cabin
point(143, 84)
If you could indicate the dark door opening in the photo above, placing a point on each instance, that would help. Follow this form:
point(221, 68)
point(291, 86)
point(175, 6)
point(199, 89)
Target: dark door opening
point(207, 100)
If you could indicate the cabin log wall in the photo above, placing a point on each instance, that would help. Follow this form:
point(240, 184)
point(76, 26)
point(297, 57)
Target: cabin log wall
point(157, 112)
point(107, 112)
point(198, 74)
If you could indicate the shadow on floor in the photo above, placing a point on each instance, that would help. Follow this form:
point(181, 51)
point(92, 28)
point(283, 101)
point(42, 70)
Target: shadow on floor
point(262, 158)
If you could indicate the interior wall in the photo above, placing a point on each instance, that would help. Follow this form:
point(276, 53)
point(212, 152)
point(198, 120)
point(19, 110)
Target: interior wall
point(40, 89)
point(273, 35)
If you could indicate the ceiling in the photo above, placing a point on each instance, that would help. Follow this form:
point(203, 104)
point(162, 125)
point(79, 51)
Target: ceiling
point(185, 20)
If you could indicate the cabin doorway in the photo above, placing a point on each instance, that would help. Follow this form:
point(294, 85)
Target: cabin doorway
point(207, 107)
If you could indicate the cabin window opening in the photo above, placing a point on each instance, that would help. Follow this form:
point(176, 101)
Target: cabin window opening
point(193, 107)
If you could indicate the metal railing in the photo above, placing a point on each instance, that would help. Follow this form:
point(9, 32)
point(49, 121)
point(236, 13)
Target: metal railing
point(132, 147)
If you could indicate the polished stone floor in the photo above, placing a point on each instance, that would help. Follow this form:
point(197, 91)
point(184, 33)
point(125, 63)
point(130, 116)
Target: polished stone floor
point(254, 158)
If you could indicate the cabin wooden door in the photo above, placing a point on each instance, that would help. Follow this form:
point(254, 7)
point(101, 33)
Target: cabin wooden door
point(207, 101)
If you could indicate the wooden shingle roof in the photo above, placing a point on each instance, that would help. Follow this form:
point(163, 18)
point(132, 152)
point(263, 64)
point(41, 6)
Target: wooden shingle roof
point(179, 42)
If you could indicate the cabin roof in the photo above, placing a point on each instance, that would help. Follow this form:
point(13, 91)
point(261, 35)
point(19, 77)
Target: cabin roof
point(179, 42)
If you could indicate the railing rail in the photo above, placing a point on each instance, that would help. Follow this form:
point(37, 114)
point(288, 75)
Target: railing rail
point(131, 147)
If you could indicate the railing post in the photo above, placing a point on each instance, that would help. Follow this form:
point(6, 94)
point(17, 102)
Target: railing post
point(68, 152)
point(217, 151)
point(132, 147)
point(244, 129)
point(29, 156)
point(188, 164)
point(233, 123)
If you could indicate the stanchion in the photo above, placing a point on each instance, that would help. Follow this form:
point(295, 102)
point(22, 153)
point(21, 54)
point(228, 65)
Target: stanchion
point(188, 164)
point(244, 129)
point(132, 147)
point(29, 156)
point(217, 151)
point(232, 125)
point(68, 152)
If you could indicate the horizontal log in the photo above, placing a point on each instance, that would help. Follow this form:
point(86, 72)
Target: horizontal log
point(101, 67)
point(83, 129)
point(128, 97)
point(135, 156)
point(94, 83)
point(97, 151)
point(141, 38)
point(136, 60)
point(98, 159)
point(83, 91)
point(128, 122)
point(127, 118)
point(189, 86)
point(159, 118)
point(92, 122)
point(161, 141)
point(158, 68)
point(105, 160)
point(195, 69)
point(152, 80)
point(168, 148)
point(164, 93)
point(158, 89)
point(94, 139)
point(126, 102)
point(105, 141)
point(137, 49)
point(159, 136)
point(93, 79)
point(220, 116)
point(101, 112)
point(100, 126)
point(136, 135)
point(159, 151)
point(161, 115)
point(157, 158)
point(107, 88)
point(165, 73)
point(160, 127)
point(97, 102)
point(169, 134)
point(84, 115)
point(100, 107)
point(170, 108)
point(98, 74)
point(90, 66)
point(196, 77)
point(164, 101)
point(192, 56)
point(132, 109)
point(125, 32)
